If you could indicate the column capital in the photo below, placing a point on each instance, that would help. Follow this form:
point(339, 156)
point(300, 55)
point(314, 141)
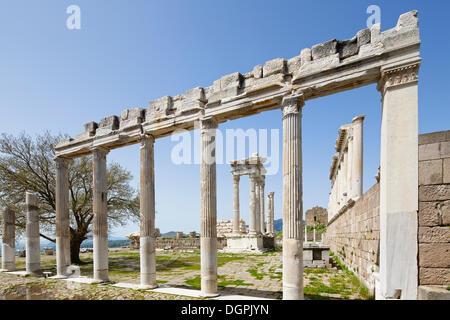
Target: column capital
point(270, 195)
point(207, 123)
point(292, 104)
point(145, 138)
point(236, 178)
point(62, 162)
point(399, 75)
point(104, 151)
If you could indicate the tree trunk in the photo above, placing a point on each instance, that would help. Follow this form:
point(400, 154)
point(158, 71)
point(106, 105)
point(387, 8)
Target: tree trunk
point(75, 243)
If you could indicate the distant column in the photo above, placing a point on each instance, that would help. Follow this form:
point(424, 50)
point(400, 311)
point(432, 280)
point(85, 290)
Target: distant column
point(100, 215)
point(8, 240)
point(252, 224)
point(62, 217)
point(270, 214)
point(258, 205)
point(208, 208)
point(147, 217)
point(292, 198)
point(357, 157)
point(33, 256)
point(261, 203)
point(236, 213)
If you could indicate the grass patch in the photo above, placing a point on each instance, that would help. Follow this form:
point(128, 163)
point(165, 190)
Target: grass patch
point(254, 272)
point(194, 282)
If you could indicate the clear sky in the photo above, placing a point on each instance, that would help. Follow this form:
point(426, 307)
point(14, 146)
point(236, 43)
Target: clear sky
point(128, 53)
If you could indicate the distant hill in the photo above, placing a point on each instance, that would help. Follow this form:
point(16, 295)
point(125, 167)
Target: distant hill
point(170, 234)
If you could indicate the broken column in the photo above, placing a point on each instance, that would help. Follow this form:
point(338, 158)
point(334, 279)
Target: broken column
point(399, 181)
point(236, 213)
point(357, 158)
point(208, 208)
point(33, 256)
point(292, 198)
point(147, 213)
point(62, 217)
point(100, 215)
point(8, 240)
point(261, 202)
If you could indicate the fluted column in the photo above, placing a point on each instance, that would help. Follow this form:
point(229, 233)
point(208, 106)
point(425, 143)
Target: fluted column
point(292, 198)
point(236, 212)
point(33, 248)
point(62, 217)
point(261, 203)
point(147, 213)
point(270, 214)
point(208, 208)
point(399, 182)
point(357, 157)
point(252, 230)
point(100, 215)
point(258, 205)
point(8, 240)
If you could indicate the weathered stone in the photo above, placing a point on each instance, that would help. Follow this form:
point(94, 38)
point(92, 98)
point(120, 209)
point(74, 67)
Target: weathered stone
point(408, 20)
point(429, 151)
point(347, 48)
point(195, 94)
point(363, 37)
point(293, 64)
point(131, 117)
point(324, 49)
point(433, 293)
point(230, 81)
point(430, 172)
point(159, 108)
point(434, 235)
point(33, 256)
point(434, 255)
point(428, 214)
point(434, 276)
point(446, 170)
point(90, 127)
point(111, 123)
point(434, 137)
point(445, 149)
point(274, 66)
point(434, 193)
point(258, 71)
point(305, 56)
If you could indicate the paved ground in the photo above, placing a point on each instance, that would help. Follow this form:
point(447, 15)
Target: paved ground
point(249, 275)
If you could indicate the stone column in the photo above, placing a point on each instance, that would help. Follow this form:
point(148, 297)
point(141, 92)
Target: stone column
point(357, 157)
point(292, 198)
point(236, 213)
point(252, 224)
point(100, 215)
point(62, 217)
point(258, 205)
point(270, 214)
point(147, 213)
point(344, 177)
point(208, 208)
point(33, 249)
point(399, 182)
point(8, 240)
point(261, 203)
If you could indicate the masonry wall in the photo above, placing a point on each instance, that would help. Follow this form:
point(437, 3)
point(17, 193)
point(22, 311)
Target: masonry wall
point(353, 236)
point(172, 243)
point(434, 208)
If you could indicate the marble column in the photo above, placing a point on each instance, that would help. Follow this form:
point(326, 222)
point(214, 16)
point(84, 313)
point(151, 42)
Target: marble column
point(236, 212)
point(261, 203)
point(252, 224)
point(344, 177)
point(270, 214)
point(147, 213)
point(357, 157)
point(399, 182)
point(208, 208)
point(100, 215)
point(33, 248)
point(258, 205)
point(63, 260)
point(8, 240)
point(292, 198)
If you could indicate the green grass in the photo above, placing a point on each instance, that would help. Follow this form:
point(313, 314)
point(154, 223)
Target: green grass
point(194, 282)
point(254, 272)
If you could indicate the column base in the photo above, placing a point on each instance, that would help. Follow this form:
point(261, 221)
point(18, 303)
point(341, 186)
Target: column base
point(209, 295)
point(147, 286)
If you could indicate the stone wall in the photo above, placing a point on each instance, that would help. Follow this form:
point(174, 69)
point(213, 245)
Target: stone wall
point(434, 208)
point(225, 227)
point(184, 243)
point(353, 236)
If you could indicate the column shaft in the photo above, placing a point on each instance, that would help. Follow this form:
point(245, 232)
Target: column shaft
point(236, 213)
point(261, 206)
point(8, 240)
point(62, 217)
point(257, 206)
point(147, 216)
point(292, 199)
point(100, 215)
point(33, 249)
point(208, 208)
point(252, 224)
point(357, 157)
point(399, 183)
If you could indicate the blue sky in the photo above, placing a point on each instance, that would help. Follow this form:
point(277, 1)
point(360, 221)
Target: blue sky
point(128, 53)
